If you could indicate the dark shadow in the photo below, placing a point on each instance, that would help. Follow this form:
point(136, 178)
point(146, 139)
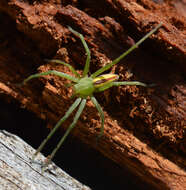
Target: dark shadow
point(77, 159)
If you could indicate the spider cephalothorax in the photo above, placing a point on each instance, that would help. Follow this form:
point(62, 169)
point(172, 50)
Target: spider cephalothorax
point(85, 86)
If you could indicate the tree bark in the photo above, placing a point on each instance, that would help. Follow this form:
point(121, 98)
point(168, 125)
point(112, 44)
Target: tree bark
point(18, 172)
point(145, 129)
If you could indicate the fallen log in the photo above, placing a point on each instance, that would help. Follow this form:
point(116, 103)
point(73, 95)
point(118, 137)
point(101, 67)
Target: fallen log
point(18, 172)
point(145, 128)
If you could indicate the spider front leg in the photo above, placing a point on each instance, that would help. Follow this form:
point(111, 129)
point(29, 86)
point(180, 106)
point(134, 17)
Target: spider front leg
point(70, 110)
point(78, 113)
point(67, 114)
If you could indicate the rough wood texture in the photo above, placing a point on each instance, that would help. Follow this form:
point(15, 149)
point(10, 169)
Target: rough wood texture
point(145, 129)
point(17, 172)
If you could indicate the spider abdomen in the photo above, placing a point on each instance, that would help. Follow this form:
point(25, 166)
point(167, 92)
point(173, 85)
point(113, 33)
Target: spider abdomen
point(105, 79)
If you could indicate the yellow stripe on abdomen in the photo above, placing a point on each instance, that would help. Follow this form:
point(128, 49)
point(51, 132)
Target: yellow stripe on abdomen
point(104, 79)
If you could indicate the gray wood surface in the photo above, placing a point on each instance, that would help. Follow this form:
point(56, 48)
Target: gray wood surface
point(18, 172)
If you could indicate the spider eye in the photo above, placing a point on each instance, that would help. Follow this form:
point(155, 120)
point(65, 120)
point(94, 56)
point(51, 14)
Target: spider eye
point(104, 79)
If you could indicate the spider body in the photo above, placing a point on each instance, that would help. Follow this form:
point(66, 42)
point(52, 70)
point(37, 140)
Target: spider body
point(87, 86)
point(84, 86)
point(104, 80)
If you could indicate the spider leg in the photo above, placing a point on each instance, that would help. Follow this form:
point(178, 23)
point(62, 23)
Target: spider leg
point(60, 74)
point(87, 65)
point(66, 64)
point(97, 105)
point(70, 110)
point(108, 66)
point(105, 87)
point(78, 113)
point(131, 83)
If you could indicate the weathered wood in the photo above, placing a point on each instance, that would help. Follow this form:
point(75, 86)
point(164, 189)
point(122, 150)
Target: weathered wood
point(145, 128)
point(18, 172)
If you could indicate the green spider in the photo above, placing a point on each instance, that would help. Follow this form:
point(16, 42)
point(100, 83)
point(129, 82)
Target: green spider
point(84, 86)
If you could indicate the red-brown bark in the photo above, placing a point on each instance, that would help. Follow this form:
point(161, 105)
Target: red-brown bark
point(145, 129)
